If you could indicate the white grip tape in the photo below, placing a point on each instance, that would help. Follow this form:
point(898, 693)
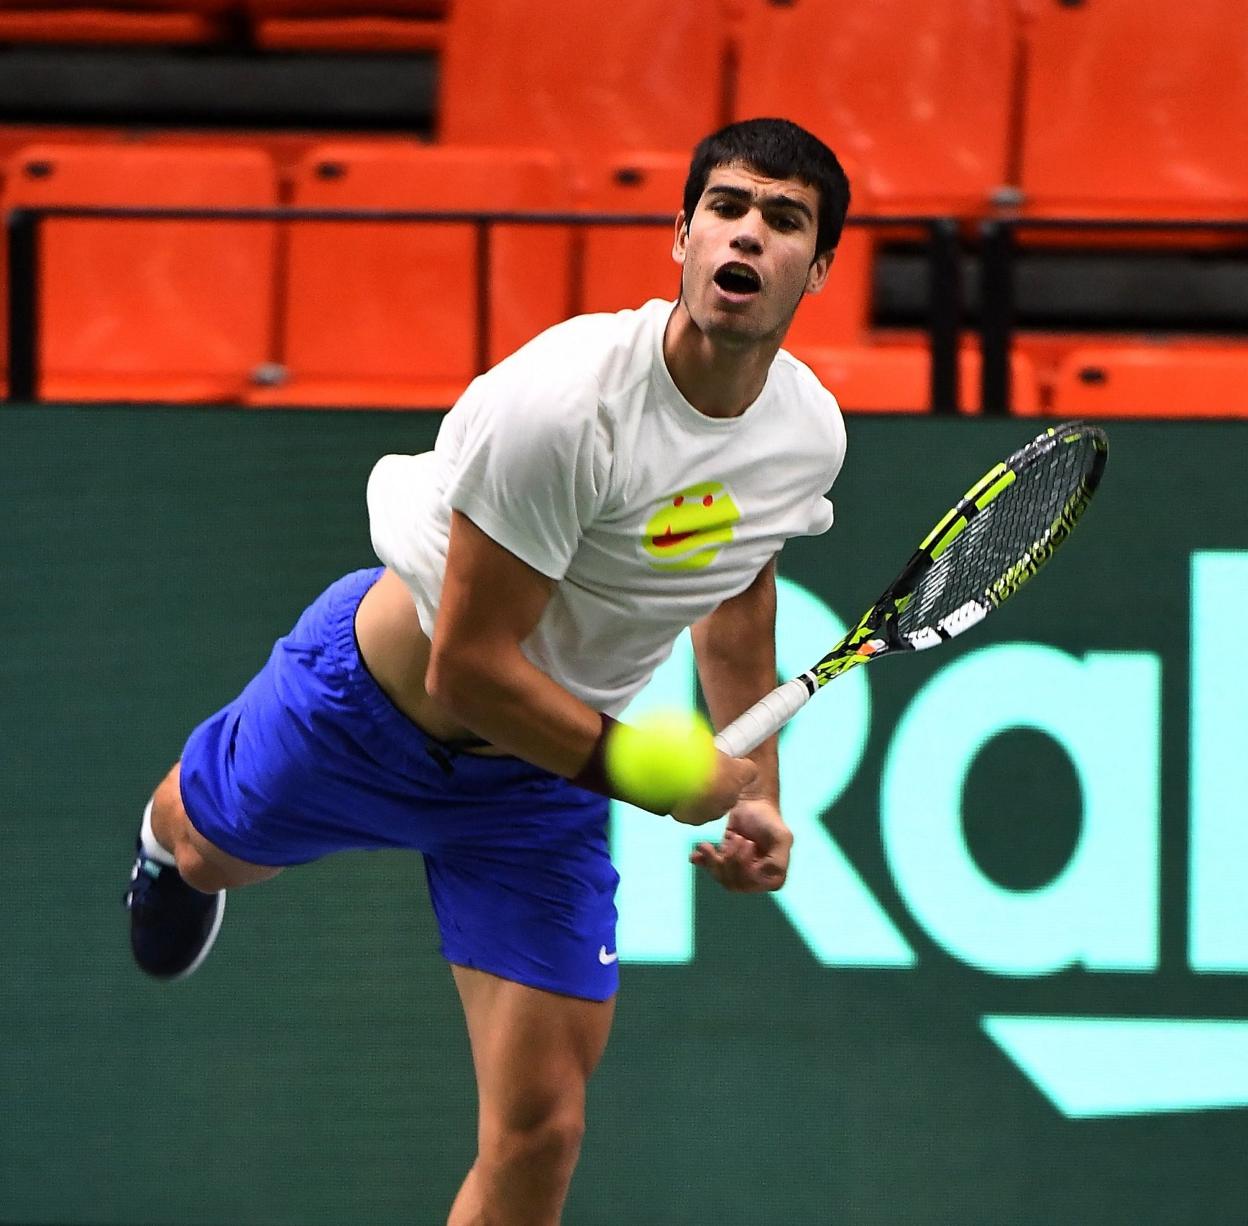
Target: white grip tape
point(765, 718)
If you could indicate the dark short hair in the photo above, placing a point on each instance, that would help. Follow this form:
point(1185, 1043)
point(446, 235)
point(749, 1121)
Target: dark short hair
point(778, 149)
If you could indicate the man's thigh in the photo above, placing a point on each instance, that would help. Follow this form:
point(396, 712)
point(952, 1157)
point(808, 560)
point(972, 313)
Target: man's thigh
point(533, 1050)
point(174, 829)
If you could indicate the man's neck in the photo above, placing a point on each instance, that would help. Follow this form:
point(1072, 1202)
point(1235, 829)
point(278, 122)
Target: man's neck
point(719, 378)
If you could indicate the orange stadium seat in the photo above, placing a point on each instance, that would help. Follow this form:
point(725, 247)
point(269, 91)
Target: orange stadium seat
point(152, 310)
point(135, 21)
point(623, 266)
point(348, 25)
point(885, 378)
point(287, 148)
point(925, 116)
point(14, 137)
point(1164, 379)
point(1131, 106)
point(582, 77)
point(840, 314)
point(386, 314)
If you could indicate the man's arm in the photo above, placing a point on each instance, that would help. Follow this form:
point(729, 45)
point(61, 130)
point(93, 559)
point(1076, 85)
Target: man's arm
point(491, 601)
point(736, 652)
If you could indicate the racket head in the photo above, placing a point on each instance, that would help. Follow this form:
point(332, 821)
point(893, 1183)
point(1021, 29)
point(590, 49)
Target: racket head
point(1002, 531)
point(989, 543)
point(999, 534)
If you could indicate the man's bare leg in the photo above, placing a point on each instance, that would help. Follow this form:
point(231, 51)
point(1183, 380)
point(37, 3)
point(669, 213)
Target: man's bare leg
point(533, 1052)
point(176, 897)
point(201, 865)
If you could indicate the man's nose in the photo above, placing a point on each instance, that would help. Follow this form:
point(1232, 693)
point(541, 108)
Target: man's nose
point(747, 238)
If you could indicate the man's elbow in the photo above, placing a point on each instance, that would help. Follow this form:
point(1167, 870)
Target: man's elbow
point(450, 681)
point(463, 678)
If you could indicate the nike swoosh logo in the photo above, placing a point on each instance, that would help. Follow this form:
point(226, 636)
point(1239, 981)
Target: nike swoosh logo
point(605, 958)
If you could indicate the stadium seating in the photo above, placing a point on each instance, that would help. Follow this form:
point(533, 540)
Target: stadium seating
point(347, 25)
point(623, 266)
point(841, 312)
point(1158, 379)
point(1129, 109)
point(287, 25)
point(17, 136)
point(896, 378)
point(107, 21)
point(582, 77)
point(287, 148)
point(1098, 109)
point(924, 114)
point(160, 310)
point(387, 314)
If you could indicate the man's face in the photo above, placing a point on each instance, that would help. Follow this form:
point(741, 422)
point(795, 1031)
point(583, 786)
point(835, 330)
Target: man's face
point(749, 254)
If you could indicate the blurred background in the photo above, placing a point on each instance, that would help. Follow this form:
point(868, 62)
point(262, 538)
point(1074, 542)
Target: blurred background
point(251, 245)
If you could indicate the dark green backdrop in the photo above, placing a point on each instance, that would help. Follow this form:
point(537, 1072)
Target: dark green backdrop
point(313, 1072)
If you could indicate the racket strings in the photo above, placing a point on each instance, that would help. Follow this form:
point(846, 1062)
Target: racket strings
point(1007, 541)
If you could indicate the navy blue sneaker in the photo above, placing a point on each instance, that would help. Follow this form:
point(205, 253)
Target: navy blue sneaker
point(172, 926)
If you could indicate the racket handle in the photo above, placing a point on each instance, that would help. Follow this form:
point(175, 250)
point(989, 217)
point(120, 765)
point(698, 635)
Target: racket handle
point(765, 718)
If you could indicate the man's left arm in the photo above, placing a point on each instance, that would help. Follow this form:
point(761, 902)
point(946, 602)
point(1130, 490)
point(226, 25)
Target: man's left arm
point(736, 653)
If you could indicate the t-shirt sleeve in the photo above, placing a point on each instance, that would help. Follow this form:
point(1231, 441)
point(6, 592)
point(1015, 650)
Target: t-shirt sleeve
point(832, 436)
point(525, 466)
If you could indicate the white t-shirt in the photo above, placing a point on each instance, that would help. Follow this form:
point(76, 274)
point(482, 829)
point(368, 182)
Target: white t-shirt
point(579, 455)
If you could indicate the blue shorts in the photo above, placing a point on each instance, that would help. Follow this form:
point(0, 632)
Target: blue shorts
point(313, 758)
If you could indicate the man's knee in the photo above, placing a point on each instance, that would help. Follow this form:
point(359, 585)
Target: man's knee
point(545, 1143)
point(534, 1052)
point(168, 815)
point(545, 1108)
point(197, 872)
point(199, 865)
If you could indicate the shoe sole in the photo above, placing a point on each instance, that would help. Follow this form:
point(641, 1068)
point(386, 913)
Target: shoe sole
point(208, 944)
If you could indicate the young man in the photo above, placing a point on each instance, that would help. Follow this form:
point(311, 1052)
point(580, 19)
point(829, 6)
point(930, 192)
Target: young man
point(618, 479)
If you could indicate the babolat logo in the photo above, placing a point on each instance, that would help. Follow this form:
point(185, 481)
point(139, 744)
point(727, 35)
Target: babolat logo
point(1042, 548)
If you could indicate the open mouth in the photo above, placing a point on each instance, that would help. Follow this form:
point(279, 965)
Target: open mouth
point(738, 279)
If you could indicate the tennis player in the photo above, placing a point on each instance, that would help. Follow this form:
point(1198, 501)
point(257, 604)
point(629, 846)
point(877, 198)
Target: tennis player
point(618, 479)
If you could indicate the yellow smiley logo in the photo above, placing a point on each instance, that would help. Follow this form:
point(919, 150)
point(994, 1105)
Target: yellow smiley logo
point(690, 527)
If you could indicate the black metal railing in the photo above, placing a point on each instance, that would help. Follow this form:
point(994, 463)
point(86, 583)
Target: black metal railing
point(25, 237)
point(998, 305)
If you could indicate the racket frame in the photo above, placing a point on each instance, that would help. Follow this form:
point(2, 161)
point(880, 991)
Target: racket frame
point(877, 632)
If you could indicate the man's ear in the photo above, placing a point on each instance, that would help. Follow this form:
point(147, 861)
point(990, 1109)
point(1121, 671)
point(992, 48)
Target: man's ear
point(681, 240)
point(818, 274)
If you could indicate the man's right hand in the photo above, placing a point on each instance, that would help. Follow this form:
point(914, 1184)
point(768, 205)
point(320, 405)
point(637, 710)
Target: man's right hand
point(732, 777)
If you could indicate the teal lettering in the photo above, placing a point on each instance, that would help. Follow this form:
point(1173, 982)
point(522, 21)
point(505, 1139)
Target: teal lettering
point(1101, 910)
point(1218, 867)
point(824, 899)
point(1100, 1067)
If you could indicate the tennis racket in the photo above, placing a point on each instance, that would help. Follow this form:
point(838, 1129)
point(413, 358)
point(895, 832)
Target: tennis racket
point(999, 534)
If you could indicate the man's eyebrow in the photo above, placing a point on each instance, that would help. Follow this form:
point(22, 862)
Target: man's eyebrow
point(746, 197)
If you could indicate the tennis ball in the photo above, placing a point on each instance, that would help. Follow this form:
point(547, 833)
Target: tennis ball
point(662, 759)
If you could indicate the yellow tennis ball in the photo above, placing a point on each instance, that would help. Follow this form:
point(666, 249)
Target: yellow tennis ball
point(662, 759)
